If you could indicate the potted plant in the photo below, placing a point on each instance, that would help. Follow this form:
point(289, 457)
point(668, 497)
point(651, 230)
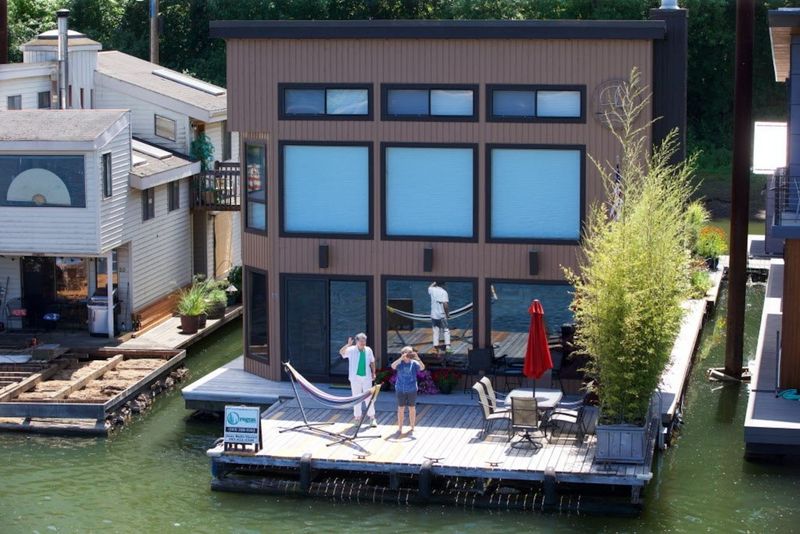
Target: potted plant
point(235, 279)
point(632, 281)
point(216, 301)
point(383, 376)
point(711, 243)
point(446, 379)
point(191, 307)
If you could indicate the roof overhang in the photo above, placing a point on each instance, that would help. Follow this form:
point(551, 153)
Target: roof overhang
point(783, 24)
point(163, 177)
point(89, 145)
point(15, 71)
point(179, 106)
point(439, 29)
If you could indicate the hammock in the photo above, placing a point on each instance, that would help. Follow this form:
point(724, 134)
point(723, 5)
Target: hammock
point(329, 400)
point(455, 314)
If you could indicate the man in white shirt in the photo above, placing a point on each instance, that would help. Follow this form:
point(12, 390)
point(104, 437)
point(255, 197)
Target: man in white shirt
point(361, 371)
point(440, 312)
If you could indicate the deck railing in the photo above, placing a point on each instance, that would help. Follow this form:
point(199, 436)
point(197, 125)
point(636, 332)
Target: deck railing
point(217, 189)
point(786, 194)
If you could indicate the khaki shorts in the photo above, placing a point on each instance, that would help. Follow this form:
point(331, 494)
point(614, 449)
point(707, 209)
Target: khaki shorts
point(407, 399)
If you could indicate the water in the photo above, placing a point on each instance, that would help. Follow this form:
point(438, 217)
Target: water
point(154, 476)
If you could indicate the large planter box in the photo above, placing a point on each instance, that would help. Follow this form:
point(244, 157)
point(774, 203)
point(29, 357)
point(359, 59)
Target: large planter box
point(621, 444)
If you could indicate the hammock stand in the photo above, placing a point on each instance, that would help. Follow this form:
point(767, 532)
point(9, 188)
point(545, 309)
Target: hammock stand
point(372, 394)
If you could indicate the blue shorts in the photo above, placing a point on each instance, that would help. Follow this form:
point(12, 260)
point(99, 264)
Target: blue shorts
point(407, 398)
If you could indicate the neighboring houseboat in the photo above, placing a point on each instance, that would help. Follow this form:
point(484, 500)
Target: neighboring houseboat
point(381, 156)
point(103, 186)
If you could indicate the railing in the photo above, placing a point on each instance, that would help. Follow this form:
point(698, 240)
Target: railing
point(217, 189)
point(785, 191)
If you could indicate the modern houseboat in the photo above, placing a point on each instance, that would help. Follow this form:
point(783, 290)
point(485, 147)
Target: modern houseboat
point(97, 184)
point(380, 157)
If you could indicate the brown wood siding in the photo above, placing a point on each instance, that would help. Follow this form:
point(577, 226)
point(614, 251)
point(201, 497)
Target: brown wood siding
point(255, 67)
point(790, 333)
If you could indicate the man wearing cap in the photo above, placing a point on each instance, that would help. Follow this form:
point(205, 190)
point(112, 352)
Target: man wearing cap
point(361, 365)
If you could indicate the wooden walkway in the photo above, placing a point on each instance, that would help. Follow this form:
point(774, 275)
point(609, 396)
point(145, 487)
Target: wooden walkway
point(168, 335)
point(772, 423)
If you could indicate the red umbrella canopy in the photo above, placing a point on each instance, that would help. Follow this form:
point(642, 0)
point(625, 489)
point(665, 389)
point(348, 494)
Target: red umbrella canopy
point(537, 355)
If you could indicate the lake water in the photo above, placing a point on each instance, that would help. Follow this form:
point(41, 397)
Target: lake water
point(154, 475)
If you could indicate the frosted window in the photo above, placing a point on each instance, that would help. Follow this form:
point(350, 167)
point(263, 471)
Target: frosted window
point(326, 189)
point(304, 101)
point(408, 102)
point(451, 102)
point(558, 104)
point(347, 101)
point(535, 193)
point(513, 103)
point(429, 192)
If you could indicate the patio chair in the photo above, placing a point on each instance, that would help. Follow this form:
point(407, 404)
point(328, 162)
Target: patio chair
point(575, 417)
point(490, 418)
point(524, 418)
point(491, 395)
point(480, 363)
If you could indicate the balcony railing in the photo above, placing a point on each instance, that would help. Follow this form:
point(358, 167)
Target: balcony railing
point(217, 189)
point(783, 205)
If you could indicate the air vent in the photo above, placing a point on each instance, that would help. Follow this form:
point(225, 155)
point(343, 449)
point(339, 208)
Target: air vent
point(188, 81)
point(149, 150)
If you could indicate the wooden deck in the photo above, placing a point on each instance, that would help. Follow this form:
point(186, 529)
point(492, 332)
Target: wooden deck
point(772, 424)
point(168, 335)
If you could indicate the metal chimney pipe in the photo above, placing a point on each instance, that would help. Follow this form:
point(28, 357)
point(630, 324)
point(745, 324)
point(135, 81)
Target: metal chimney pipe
point(154, 31)
point(3, 31)
point(62, 16)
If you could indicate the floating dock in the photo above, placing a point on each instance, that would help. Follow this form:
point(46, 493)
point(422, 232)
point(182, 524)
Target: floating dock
point(87, 392)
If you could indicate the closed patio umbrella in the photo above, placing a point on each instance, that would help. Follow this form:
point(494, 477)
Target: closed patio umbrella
point(537, 355)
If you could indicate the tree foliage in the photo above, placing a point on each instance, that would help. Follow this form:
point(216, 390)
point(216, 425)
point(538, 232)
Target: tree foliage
point(635, 274)
point(186, 46)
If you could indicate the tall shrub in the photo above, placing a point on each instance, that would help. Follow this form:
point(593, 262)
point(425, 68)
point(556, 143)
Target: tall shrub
point(635, 270)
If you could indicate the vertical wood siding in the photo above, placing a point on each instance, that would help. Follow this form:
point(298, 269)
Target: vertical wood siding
point(790, 333)
point(255, 67)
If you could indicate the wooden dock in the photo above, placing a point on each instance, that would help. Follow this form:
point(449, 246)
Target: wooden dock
point(168, 335)
point(447, 443)
point(772, 423)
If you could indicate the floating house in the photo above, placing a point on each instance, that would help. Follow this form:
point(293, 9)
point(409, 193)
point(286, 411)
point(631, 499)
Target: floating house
point(381, 156)
point(772, 424)
point(97, 185)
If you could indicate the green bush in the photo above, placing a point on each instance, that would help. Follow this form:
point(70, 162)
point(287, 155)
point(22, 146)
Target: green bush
point(635, 272)
point(696, 217)
point(235, 277)
point(700, 282)
point(192, 301)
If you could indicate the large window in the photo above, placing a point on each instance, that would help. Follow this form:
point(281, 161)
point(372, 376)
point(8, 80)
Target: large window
point(412, 305)
point(326, 189)
point(165, 128)
point(105, 169)
point(509, 317)
point(148, 203)
point(535, 193)
point(255, 167)
point(42, 181)
point(429, 191)
point(429, 102)
point(541, 103)
point(256, 302)
point(325, 101)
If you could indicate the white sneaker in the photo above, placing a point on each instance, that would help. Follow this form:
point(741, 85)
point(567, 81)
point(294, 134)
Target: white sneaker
point(374, 423)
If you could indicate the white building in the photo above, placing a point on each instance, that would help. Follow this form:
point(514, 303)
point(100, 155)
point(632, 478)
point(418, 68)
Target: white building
point(106, 187)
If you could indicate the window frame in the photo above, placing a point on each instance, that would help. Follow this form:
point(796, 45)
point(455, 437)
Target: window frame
point(491, 117)
point(384, 203)
point(13, 98)
point(384, 318)
point(489, 282)
point(488, 194)
point(246, 278)
point(106, 161)
point(156, 116)
point(147, 213)
point(39, 96)
point(283, 87)
point(173, 196)
point(386, 87)
point(245, 194)
point(370, 190)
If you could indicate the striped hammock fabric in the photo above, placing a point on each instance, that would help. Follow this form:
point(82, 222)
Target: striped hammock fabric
point(333, 401)
point(455, 314)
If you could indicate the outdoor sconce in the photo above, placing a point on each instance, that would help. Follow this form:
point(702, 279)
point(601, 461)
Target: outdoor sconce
point(533, 262)
point(427, 259)
point(324, 257)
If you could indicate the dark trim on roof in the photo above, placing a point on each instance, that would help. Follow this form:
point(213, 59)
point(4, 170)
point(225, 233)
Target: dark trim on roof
point(438, 29)
point(780, 18)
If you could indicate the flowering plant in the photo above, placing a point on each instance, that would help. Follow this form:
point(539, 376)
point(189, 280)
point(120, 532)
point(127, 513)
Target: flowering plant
point(384, 376)
point(446, 378)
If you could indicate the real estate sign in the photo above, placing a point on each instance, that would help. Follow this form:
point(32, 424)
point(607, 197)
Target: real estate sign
point(242, 425)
